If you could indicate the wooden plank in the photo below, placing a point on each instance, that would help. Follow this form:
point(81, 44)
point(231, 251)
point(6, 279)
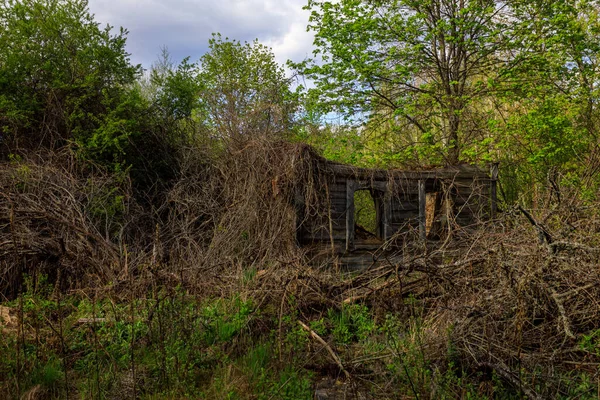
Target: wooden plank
point(340, 184)
point(371, 185)
point(350, 188)
point(337, 187)
point(322, 233)
point(412, 187)
point(337, 194)
point(473, 201)
point(403, 228)
point(339, 219)
point(404, 216)
point(400, 204)
point(355, 173)
point(461, 201)
point(338, 211)
point(387, 217)
point(337, 180)
point(402, 192)
point(405, 207)
point(406, 196)
point(337, 197)
point(339, 205)
point(341, 239)
point(338, 226)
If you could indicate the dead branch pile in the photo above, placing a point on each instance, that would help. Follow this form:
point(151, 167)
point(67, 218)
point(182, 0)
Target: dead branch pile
point(241, 210)
point(506, 302)
point(55, 223)
point(520, 306)
point(230, 206)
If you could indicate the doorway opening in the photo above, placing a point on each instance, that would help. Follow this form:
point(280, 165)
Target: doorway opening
point(368, 209)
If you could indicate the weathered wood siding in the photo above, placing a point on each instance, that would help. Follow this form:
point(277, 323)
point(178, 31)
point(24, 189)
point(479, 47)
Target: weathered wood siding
point(326, 221)
point(399, 205)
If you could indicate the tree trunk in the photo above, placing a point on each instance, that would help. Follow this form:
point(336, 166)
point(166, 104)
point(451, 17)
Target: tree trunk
point(453, 145)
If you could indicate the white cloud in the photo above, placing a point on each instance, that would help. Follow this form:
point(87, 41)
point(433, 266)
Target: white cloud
point(295, 43)
point(185, 26)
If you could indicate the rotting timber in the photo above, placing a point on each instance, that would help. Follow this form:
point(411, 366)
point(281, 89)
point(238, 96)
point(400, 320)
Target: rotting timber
point(411, 207)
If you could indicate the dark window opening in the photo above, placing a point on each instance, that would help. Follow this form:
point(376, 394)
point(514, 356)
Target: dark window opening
point(432, 210)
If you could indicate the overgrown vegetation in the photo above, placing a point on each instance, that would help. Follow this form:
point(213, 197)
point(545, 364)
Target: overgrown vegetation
point(147, 226)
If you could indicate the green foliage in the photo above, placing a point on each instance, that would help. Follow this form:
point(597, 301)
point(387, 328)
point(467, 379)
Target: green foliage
point(66, 82)
point(61, 75)
point(50, 375)
point(174, 91)
point(341, 144)
point(441, 82)
point(224, 321)
point(365, 214)
point(591, 343)
point(180, 347)
point(419, 82)
point(38, 356)
point(191, 348)
point(110, 142)
point(415, 67)
point(106, 206)
point(291, 385)
point(351, 323)
point(244, 91)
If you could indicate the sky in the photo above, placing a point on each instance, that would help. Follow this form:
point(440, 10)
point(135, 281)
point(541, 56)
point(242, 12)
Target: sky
point(184, 26)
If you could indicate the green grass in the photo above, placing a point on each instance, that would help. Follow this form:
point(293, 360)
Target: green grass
point(180, 346)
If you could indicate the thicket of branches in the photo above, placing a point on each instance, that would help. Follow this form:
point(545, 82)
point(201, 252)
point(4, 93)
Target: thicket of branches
point(516, 296)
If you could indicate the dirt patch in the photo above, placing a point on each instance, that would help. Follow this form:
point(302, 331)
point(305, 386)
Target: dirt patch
point(8, 320)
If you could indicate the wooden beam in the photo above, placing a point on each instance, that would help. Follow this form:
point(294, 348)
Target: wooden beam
point(350, 189)
point(383, 175)
point(371, 184)
point(387, 215)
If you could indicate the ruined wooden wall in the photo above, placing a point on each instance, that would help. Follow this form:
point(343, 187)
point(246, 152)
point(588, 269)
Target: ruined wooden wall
point(466, 192)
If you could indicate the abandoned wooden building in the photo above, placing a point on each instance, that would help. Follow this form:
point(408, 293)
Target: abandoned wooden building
point(414, 205)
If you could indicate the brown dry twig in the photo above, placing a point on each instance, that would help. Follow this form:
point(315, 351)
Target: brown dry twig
point(323, 343)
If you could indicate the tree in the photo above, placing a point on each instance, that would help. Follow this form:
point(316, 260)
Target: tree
point(172, 89)
point(63, 79)
point(545, 116)
point(244, 91)
point(422, 67)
